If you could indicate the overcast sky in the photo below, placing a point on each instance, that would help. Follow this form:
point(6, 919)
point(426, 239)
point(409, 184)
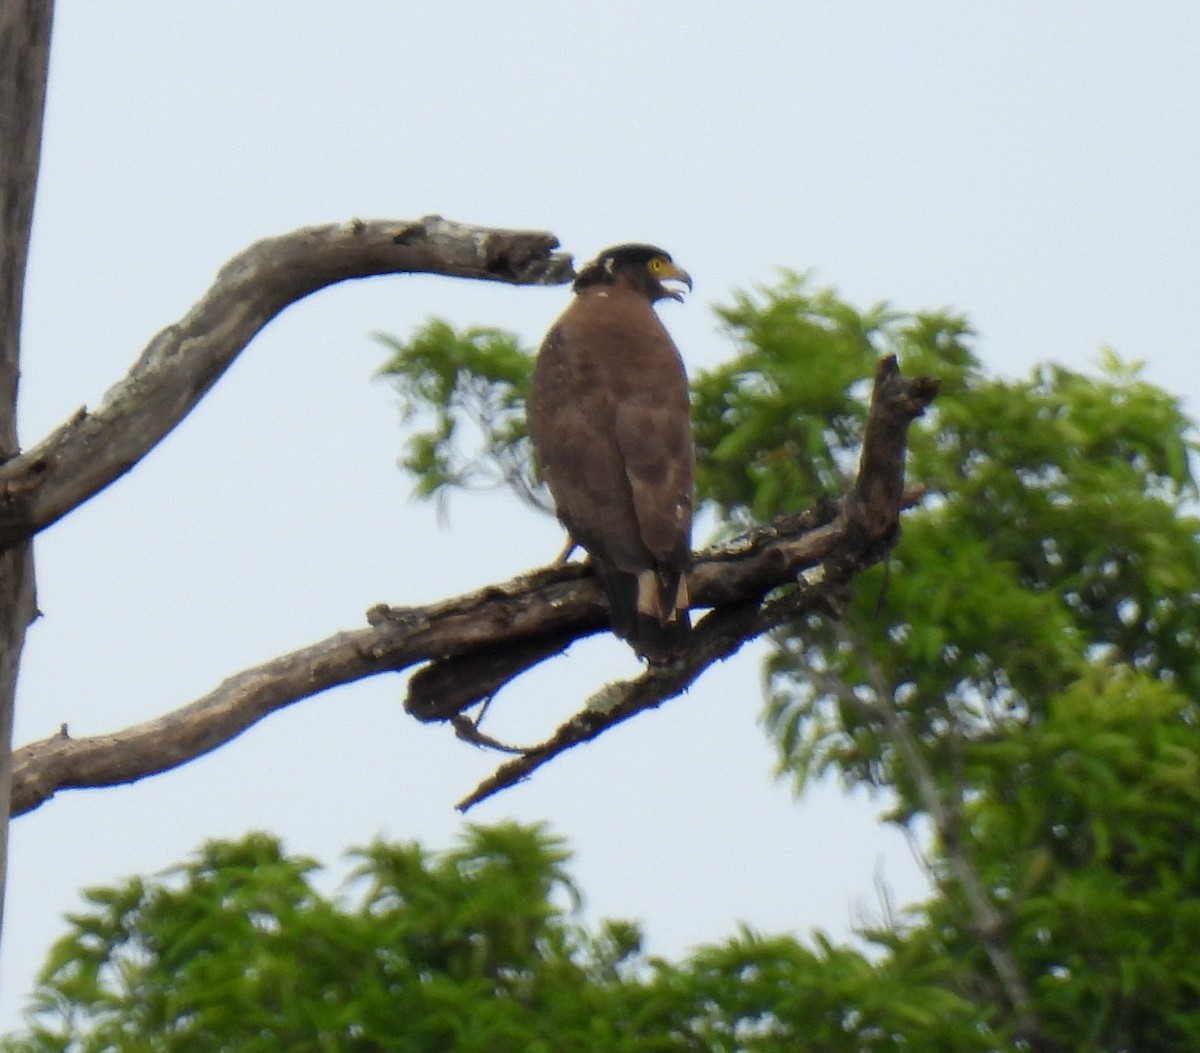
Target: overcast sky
point(1033, 165)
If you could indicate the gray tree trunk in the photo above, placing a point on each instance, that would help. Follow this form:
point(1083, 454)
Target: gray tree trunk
point(24, 51)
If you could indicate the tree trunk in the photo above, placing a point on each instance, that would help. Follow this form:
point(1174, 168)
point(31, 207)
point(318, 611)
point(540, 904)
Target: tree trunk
point(24, 51)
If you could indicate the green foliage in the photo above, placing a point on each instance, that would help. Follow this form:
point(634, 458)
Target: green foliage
point(1087, 828)
point(779, 425)
point(1057, 536)
point(757, 993)
point(470, 950)
point(475, 949)
point(463, 397)
point(1038, 648)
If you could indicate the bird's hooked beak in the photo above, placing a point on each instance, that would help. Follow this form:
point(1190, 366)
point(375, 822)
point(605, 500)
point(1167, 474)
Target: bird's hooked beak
point(676, 274)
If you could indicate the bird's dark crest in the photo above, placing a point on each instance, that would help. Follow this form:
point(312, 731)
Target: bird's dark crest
point(600, 270)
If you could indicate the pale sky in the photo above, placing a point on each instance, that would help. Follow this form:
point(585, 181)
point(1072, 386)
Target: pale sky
point(1033, 165)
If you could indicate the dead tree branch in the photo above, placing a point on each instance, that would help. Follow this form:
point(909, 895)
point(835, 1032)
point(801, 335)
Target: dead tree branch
point(489, 636)
point(182, 362)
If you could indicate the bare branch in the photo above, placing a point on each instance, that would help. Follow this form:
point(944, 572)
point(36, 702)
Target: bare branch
point(60, 762)
point(557, 604)
point(489, 636)
point(183, 361)
point(878, 489)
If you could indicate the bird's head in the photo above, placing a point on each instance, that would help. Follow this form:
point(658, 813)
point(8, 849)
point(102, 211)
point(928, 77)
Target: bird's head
point(643, 267)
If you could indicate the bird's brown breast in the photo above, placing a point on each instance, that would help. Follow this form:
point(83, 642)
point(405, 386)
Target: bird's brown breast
point(609, 419)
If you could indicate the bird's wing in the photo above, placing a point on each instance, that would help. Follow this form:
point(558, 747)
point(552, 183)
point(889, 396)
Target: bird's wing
point(570, 422)
point(654, 438)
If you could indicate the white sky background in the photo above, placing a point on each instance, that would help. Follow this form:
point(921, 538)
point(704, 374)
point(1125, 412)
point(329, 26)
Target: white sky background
point(1034, 165)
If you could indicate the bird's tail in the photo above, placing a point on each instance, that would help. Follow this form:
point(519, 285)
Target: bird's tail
point(649, 609)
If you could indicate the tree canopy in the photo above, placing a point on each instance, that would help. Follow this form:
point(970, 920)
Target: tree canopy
point(473, 949)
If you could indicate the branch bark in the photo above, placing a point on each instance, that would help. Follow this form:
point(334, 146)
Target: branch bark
point(182, 362)
point(529, 617)
point(559, 603)
point(24, 59)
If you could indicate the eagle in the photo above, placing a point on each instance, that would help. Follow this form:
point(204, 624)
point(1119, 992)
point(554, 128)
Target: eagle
point(609, 419)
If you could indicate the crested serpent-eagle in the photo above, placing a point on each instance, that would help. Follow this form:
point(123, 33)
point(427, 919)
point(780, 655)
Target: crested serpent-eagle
point(609, 419)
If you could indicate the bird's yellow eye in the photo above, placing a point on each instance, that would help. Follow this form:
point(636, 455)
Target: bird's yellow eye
point(658, 265)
